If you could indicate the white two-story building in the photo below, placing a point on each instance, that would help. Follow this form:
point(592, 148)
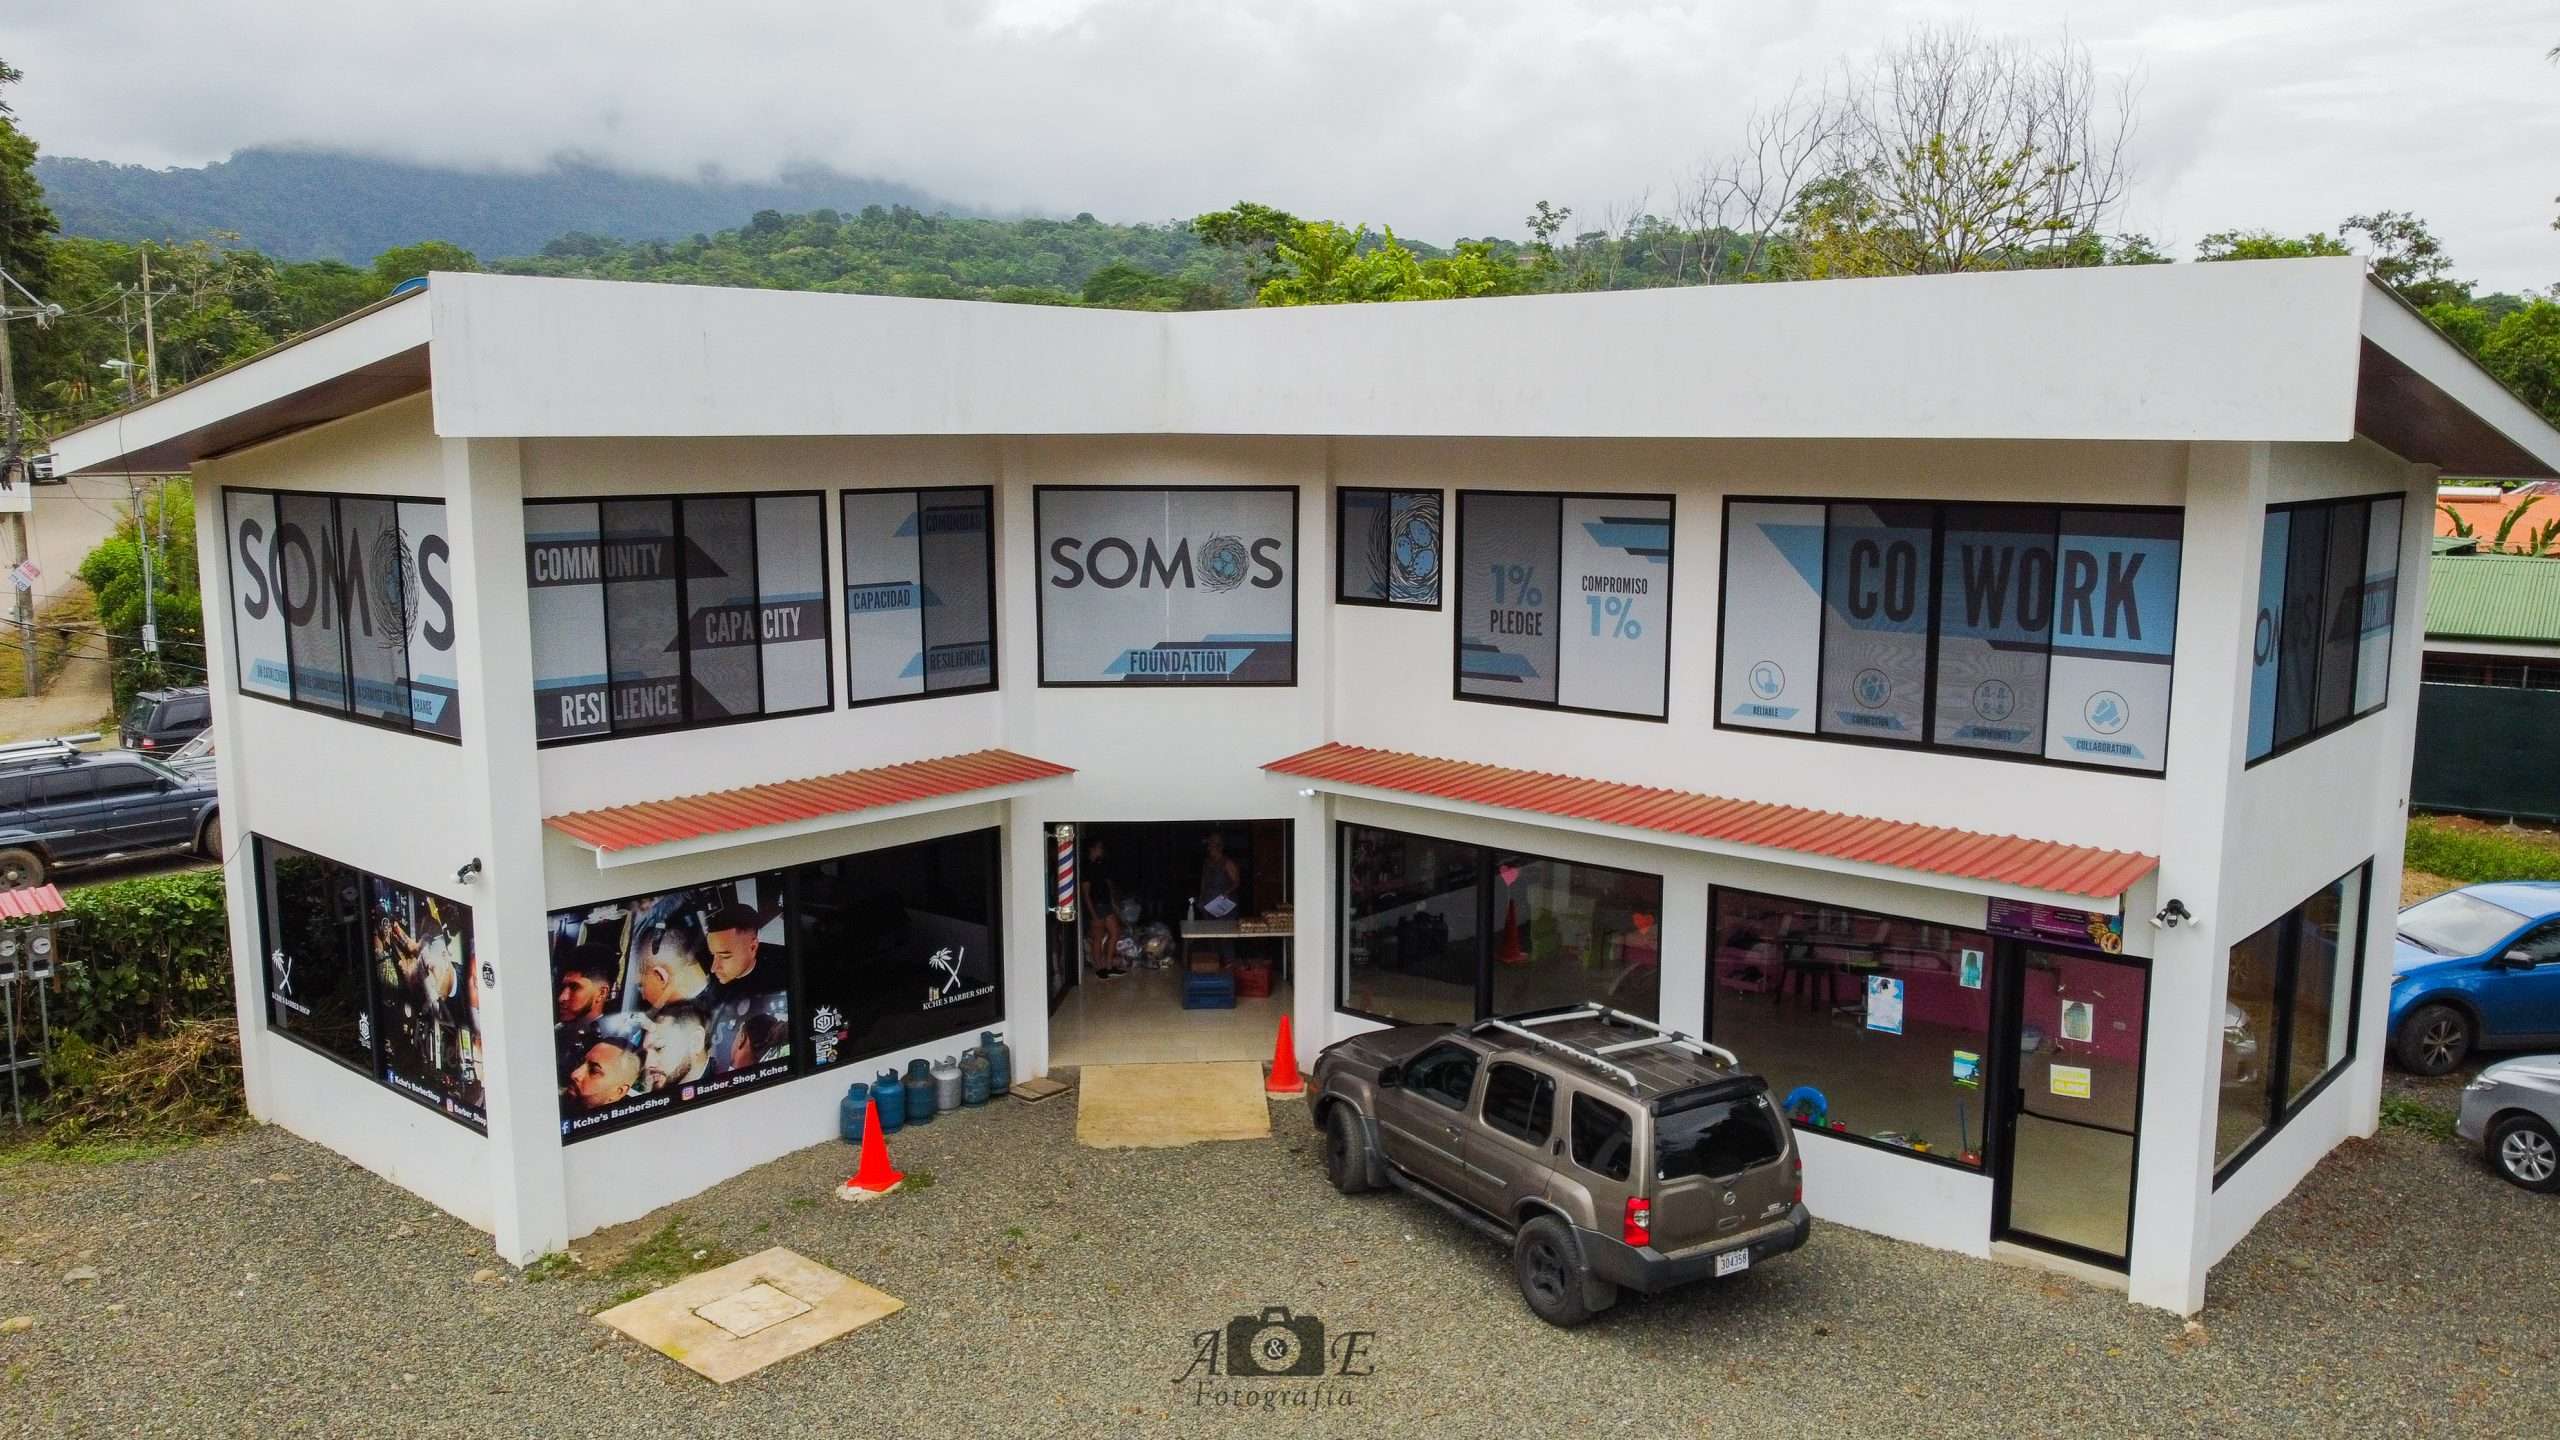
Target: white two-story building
point(1982, 702)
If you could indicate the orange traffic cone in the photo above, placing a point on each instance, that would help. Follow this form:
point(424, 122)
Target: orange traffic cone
point(873, 1178)
point(1285, 1083)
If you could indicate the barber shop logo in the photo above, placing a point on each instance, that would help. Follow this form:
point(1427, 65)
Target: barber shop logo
point(1274, 1359)
point(280, 965)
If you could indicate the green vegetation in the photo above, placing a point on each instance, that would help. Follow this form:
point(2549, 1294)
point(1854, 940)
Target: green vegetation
point(299, 204)
point(153, 951)
point(668, 1255)
point(558, 1265)
point(1881, 172)
point(2474, 853)
point(113, 573)
point(2399, 1112)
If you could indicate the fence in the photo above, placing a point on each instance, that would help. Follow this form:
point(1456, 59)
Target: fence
point(2486, 750)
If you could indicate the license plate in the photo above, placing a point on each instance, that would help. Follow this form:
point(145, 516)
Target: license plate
point(1733, 1262)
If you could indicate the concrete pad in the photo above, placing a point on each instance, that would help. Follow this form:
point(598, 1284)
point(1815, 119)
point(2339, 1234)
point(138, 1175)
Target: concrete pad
point(730, 1322)
point(1147, 1106)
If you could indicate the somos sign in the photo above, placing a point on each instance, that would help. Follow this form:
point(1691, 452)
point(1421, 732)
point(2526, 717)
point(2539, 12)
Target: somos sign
point(1168, 587)
point(345, 603)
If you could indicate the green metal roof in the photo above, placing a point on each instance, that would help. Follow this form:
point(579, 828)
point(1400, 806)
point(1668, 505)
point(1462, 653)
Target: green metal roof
point(2494, 597)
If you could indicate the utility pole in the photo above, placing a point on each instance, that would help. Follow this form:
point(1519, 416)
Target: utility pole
point(150, 338)
point(142, 540)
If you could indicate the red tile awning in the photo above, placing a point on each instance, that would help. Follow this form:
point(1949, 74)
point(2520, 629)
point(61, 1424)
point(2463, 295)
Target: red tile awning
point(791, 802)
point(34, 902)
point(2049, 866)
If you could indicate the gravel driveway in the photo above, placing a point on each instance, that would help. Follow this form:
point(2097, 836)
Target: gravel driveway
point(260, 1286)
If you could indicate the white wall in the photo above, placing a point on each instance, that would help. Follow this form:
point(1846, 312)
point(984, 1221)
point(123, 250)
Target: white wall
point(2298, 823)
point(291, 775)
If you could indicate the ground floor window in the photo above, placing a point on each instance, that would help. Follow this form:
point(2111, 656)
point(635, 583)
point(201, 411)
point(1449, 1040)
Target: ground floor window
point(1867, 1026)
point(2288, 1014)
point(677, 998)
point(377, 975)
point(1438, 930)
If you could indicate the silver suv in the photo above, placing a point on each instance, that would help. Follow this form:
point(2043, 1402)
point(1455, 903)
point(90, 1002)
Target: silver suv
point(1608, 1152)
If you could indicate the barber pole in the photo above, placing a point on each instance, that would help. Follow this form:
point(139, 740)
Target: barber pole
point(1065, 909)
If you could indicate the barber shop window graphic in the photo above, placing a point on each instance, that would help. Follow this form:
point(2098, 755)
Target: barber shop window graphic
point(947, 964)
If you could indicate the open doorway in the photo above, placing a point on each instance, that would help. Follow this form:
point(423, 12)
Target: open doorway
point(1182, 946)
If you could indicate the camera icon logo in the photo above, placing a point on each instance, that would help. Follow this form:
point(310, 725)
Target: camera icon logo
point(1275, 1343)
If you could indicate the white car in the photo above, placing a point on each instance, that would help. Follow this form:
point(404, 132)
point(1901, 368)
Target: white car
point(2512, 1112)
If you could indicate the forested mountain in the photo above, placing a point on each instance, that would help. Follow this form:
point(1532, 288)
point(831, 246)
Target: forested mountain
point(298, 204)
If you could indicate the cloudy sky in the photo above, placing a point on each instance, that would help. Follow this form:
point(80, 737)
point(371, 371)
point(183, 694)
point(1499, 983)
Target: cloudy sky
point(1441, 118)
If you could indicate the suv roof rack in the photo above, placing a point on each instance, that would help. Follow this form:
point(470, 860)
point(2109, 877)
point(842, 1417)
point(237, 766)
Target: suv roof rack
point(1596, 1057)
point(61, 747)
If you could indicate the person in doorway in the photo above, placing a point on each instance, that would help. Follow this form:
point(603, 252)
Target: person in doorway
point(1103, 926)
point(1221, 881)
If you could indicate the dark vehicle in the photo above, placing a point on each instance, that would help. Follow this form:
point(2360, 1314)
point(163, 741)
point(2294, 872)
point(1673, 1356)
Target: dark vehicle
point(59, 803)
point(1608, 1152)
point(166, 719)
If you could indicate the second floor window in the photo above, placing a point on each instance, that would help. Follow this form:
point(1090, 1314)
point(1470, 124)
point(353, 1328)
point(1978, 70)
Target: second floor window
point(2328, 583)
point(661, 613)
point(2033, 631)
point(919, 593)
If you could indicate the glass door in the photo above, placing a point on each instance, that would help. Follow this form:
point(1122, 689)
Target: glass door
point(2074, 1109)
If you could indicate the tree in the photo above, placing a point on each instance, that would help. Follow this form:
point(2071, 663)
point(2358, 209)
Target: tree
point(1324, 264)
point(113, 572)
point(1252, 230)
point(2267, 245)
point(407, 262)
point(26, 224)
point(2406, 256)
point(1961, 153)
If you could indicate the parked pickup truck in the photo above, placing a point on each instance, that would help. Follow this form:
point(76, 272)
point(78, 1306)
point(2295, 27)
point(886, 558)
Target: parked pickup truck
point(1609, 1153)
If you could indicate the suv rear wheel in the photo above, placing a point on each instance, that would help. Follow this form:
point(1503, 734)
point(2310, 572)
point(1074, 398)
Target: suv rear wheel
point(209, 838)
point(1346, 1152)
point(1553, 1279)
point(20, 867)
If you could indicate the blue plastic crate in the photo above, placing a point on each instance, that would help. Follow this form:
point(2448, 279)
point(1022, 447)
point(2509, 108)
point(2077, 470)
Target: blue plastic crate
point(1208, 992)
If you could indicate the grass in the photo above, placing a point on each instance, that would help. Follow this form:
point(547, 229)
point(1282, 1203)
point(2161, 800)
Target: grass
point(2399, 1112)
point(668, 1256)
point(36, 1148)
point(558, 1265)
point(2474, 853)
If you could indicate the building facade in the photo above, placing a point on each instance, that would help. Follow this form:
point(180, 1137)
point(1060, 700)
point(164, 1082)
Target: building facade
point(1983, 703)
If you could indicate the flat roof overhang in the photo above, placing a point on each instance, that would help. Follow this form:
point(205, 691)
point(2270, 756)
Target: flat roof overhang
point(2259, 351)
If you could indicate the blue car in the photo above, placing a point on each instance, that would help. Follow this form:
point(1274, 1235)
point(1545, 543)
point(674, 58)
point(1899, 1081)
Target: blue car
point(2476, 969)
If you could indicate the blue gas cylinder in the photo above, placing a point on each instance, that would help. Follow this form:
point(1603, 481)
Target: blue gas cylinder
point(999, 1061)
point(857, 1097)
point(973, 1078)
point(919, 1088)
point(892, 1100)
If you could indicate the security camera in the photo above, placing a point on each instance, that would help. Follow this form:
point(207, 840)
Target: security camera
point(469, 872)
point(1307, 794)
point(2172, 915)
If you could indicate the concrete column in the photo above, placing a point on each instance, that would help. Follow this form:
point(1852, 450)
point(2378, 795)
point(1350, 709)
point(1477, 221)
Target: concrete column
point(239, 866)
point(2400, 715)
point(2208, 730)
point(1026, 887)
point(1311, 998)
point(493, 653)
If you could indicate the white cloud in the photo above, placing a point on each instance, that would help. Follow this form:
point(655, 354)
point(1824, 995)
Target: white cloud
point(1441, 118)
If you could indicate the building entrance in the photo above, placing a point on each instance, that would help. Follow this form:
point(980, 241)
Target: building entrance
point(2073, 1118)
point(1182, 942)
